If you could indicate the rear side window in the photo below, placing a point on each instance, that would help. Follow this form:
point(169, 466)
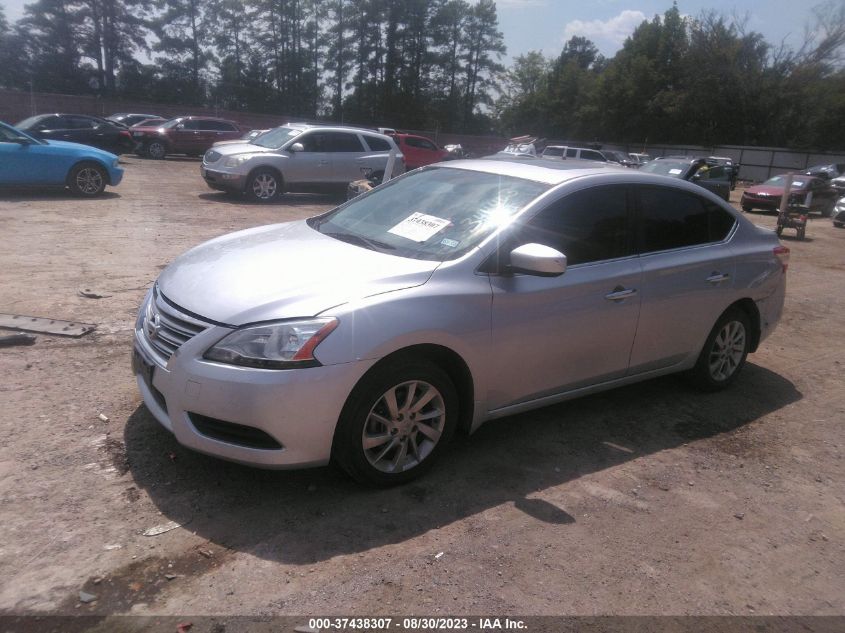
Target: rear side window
point(378, 144)
point(192, 125)
point(218, 126)
point(342, 142)
point(672, 219)
point(587, 226)
point(571, 152)
point(553, 151)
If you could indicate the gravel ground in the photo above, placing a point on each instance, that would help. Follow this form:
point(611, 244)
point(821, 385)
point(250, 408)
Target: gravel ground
point(651, 499)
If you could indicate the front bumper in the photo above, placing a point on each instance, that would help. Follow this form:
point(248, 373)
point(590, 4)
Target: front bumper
point(115, 176)
point(769, 203)
point(297, 408)
point(223, 180)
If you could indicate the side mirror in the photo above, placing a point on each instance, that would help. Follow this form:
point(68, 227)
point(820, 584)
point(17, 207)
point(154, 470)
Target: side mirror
point(296, 147)
point(538, 260)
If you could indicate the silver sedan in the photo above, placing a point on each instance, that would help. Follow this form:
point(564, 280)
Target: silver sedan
point(455, 294)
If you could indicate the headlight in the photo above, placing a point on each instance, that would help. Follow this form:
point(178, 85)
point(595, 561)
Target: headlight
point(235, 161)
point(275, 346)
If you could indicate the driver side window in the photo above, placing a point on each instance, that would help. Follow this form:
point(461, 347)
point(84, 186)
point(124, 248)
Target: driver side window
point(587, 226)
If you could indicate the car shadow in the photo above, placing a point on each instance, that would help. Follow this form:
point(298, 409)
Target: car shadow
point(54, 193)
point(305, 516)
point(288, 199)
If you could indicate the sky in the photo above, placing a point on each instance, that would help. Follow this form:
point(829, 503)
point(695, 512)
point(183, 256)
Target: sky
point(545, 25)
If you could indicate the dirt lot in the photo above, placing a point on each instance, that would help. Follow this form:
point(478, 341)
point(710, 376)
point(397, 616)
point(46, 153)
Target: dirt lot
point(652, 499)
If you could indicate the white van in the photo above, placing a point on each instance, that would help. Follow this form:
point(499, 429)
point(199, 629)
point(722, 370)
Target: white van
point(564, 152)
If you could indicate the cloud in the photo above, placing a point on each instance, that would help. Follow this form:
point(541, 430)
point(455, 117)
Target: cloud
point(608, 35)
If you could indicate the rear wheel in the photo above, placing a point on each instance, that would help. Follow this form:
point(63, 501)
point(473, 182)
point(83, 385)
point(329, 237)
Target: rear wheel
point(264, 185)
point(724, 353)
point(746, 208)
point(87, 180)
point(827, 209)
point(802, 231)
point(156, 150)
point(396, 423)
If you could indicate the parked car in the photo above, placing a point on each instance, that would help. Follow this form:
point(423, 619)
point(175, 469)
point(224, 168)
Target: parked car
point(129, 119)
point(31, 162)
point(839, 213)
point(456, 151)
point(150, 122)
point(248, 136)
point(364, 334)
point(838, 183)
point(191, 135)
point(79, 128)
point(731, 167)
point(582, 153)
point(639, 159)
point(299, 157)
point(418, 150)
point(713, 178)
point(816, 193)
point(826, 172)
point(622, 158)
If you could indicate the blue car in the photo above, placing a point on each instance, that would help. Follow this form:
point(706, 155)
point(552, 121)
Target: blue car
point(28, 162)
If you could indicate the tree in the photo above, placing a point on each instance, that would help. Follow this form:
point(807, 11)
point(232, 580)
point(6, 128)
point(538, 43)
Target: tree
point(183, 38)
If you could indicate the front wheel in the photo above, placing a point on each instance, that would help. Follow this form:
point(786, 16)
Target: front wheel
point(746, 208)
point(724, 353)
point(156, 150)
point(396, 423)
point(264, 185)
point(87, 180)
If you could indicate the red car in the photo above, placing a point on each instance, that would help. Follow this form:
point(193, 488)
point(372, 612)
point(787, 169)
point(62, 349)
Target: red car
point(191, 135)
point(816, 193)
point(418, 150)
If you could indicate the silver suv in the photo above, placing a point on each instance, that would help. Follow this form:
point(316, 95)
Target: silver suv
point(299, 157)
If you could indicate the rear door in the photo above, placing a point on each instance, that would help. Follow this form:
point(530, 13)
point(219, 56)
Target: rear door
point(553, 334)
point(688, 274)
point(347, 154)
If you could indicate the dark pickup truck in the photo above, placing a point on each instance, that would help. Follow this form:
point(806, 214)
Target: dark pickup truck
point(715, 178)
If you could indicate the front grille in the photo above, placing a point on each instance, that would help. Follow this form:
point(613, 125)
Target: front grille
point(211, 156)
point(231, 433)
point(166, 328)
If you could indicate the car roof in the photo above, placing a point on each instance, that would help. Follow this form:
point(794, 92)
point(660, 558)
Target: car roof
point(339, 128)
point(550, 172)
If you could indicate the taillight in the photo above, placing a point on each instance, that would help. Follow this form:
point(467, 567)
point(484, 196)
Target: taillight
point(782, 253)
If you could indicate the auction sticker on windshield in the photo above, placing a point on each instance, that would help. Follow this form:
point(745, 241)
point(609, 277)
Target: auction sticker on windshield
point(674, 172)
point(419, 227)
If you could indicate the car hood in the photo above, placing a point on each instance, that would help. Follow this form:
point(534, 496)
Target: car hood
point(769, 190)
point(241, 147)
point(282, 271)
point(88, 149)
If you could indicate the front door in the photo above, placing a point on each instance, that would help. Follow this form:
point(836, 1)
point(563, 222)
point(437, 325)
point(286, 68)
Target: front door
point(551, 335)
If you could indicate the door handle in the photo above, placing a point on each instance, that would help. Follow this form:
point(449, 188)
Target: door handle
point(619, 294)
point(717, 278)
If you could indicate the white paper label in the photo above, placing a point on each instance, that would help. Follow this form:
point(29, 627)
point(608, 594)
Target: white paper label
point(674, 172)
point(419, 227)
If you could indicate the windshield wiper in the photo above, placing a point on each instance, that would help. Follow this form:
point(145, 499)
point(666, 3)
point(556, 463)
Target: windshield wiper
point(366, 242)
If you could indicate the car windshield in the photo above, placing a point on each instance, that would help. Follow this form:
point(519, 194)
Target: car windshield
point(674, 168)
point(277, 137)
point(10, 134)
point(435, 214)
point(780, 181)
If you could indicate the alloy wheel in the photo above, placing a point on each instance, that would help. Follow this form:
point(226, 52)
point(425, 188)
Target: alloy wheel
point(89, 180)
point(264, 186)
point(156, 150)
point(727, 351)
point(404, 426)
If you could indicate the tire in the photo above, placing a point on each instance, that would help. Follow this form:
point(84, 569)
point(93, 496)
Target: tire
point(379, 441)
point(802, 232)
point(377, 177)
point(724, 353)
point(838, 225)
point(779, 230)
point(263, 185)
point(746, 208)
point(156, 150)
point(827, 210)
point(87, 180)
